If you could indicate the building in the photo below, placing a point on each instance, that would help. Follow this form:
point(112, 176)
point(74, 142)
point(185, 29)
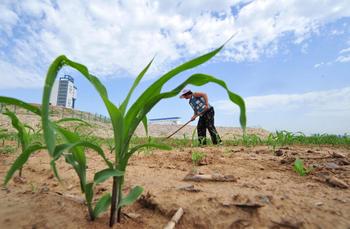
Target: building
point(64, 92)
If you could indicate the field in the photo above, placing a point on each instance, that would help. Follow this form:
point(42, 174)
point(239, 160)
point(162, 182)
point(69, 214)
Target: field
point(254, 184)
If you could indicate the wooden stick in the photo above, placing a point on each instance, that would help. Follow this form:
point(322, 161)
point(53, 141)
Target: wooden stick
point(178, 129)
point(209, 177)
point(171, 224)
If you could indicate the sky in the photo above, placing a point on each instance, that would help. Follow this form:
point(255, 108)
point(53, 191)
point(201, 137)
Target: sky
point(288, 59)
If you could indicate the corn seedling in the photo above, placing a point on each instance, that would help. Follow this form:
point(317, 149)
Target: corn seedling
point(23, 134)
point(197, 157)
point(125, 120)
point(7, 149)
point(300, 169)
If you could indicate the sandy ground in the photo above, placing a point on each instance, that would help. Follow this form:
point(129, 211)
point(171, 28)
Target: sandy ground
point(265, 191)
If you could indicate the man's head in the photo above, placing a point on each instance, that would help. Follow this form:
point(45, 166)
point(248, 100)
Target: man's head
point(186, 93)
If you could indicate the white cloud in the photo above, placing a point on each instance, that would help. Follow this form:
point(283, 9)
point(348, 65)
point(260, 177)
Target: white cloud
point(345, 50)
point(113, 36)
point(312, 112)
point(343, 59)
point(336, 102)
point(13, 76)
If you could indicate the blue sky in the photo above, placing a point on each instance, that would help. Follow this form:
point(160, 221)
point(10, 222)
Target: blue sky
point(290, 61)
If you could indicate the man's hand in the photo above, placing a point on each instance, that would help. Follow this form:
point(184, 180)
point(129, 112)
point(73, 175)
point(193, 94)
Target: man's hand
point(194, 117)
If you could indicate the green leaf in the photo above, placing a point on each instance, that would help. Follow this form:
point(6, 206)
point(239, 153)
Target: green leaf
point(20, 103)
point(136, 82)
point(299, 167)
point(154, 145)
point(77, 150)
point(54, 169)
point(63, 120)
point(114, 112)
point(197, 80)
point(102, 205)
point(103, 175)
point(145, 124)
point(131, 197)
point(21, 160)
point(19, 126)
point(59, 149)
point(89, 193)
point(156, 87)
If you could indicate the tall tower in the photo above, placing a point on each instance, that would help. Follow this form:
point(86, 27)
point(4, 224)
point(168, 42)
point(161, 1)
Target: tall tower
point(64, 92)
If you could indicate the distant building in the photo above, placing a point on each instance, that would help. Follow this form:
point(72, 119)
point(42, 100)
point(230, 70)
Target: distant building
point(64, 93)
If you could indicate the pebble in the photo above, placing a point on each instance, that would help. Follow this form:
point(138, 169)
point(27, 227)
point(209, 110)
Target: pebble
point(318, 204)
point(278, 153)
point(331, 165)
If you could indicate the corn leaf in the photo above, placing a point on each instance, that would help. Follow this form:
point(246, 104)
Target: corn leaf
point(21, 160)
point(145, 124)
point(197, 80)
point(103, 175)
point(131, 197)
point(77, 151)
point(18, 125)
point(113, 111)
point(63, 120)
point(20, 103)
point(154, 145)
point(59, 149)
point(136, 82)
point(156, 87)
point(89, 193)
point(102, 205)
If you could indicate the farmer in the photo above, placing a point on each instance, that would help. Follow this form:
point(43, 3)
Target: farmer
point(201, 107)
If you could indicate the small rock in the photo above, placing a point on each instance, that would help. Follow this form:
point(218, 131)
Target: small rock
point(70, 187)
point(240, 223)
point(331, 165)
point(19, 180)
point(340, 200)
point(336, 182)
point(278, 153)
point(133, 215)
point(170, 167)
point(189, 188)
point(289, 223)
point(287, 160)
point(343, 161)
point(50, 177)
point(44, 189)
point(265, 199)
point(318, 204)
point(338, 155)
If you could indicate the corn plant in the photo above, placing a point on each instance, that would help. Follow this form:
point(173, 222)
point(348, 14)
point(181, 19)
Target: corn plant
point(27, 147)
point(3, 135)
point(75, 157)
point(23, 134)
point(197, 157)
point(124, 120)
point(300, 169)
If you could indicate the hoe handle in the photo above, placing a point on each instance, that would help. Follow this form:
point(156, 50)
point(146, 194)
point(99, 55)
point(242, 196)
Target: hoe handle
point(179, 129)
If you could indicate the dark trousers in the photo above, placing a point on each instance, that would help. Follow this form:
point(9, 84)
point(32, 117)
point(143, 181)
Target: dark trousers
point(206, 121)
